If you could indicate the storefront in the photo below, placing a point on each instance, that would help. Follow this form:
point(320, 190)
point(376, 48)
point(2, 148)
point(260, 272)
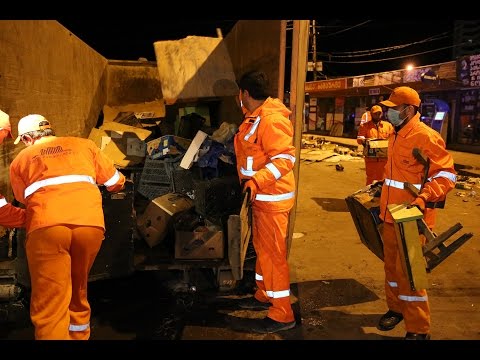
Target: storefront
point(450, 94)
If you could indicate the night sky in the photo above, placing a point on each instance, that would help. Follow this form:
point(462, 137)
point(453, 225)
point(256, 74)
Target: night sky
point(421, 41)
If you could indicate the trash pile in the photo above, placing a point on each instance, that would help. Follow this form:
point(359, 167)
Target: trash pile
point(471, 187)
point(315, 148)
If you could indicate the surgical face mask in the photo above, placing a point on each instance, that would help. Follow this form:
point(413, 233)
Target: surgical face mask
point(394, 117)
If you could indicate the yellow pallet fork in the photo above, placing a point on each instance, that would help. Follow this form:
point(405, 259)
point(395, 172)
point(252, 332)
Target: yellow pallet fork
point(419, 260)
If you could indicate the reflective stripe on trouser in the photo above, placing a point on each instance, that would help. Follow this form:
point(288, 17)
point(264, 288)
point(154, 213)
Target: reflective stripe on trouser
point(59, 260)
point(374, 169)
point(269, 241)
point(413, 305)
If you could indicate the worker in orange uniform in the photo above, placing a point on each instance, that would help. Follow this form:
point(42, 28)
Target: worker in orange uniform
point(366, 116)
point(374, 129)
point(10, 216)
point(56, 178)
point(265, 159)
point(403, 303)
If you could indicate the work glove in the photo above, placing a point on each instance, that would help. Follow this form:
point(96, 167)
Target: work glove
point(419, 203)
point(250, 188)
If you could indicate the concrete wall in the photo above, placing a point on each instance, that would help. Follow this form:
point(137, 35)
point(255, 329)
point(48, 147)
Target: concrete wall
point(132, 82)
point(46, 69)
point(255, 45)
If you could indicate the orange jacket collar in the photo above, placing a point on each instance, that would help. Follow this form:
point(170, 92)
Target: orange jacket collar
point(403, 132)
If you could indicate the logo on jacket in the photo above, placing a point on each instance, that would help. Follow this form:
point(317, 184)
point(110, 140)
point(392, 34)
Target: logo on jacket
point(51, 150)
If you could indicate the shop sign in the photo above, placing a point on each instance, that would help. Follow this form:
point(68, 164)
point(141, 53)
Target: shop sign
point(374, 91)
point(326, 85)
point(359, 81)
point(469, 70)
point(429, 76)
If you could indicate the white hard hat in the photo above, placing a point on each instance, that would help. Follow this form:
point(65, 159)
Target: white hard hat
point(33, 122)
point(5, 122)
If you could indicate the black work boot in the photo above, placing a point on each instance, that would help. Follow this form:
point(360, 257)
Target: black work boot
point(415, 336)
point(251, 303)
point(389, 320)
point(269, 326)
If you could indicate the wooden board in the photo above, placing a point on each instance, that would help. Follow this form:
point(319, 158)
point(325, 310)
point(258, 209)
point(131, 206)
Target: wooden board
point(411, 253)
point(239, 235)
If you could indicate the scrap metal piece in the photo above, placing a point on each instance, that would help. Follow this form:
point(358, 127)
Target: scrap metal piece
point(435, 250)
point(364, 207)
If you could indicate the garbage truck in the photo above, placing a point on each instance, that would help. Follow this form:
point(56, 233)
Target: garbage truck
point(151, 118)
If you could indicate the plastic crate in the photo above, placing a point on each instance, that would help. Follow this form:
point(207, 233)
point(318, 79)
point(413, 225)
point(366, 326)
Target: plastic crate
point(217, 196)
point(156, 177)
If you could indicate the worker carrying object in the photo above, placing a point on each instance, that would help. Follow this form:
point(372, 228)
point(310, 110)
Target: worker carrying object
point(403, 167)
point(374, 129)
point(56, 178)
point(10, 216)
point(265, 159)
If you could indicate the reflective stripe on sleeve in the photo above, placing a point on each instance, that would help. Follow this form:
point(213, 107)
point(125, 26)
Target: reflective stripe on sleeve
point(65, 179)
point(399, 184)
point(113, 180)
point(444, 174)
point(284, 156)
point(361, 137)
point(279, 197)
point(273, 169)
point(78, 327)
point(3, 202)
point(412, 298)
point(247, 172)
point(258, 277)
point(249, 163)
point(278, 294)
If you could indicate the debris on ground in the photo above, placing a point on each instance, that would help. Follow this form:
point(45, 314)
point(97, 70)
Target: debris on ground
point(315, 148)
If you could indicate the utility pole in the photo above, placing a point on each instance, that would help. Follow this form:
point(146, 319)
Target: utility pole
point(314, 46)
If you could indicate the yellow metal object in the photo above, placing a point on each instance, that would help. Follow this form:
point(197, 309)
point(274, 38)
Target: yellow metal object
point(410, 246)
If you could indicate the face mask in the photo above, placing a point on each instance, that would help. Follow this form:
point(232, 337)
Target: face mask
point(394, 117)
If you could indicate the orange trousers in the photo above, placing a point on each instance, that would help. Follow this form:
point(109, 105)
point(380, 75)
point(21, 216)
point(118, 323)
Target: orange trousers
point(59, 260)
point(374, 169)
point(271, 269)
point(414, 305)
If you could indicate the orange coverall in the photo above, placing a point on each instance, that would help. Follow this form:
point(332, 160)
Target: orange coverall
point(402, 167)
point(56, 178)
point(370, 130)
point(11, 216)
point(265, 153)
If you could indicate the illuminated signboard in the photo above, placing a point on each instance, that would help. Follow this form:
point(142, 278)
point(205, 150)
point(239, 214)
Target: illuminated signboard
point(326, 85)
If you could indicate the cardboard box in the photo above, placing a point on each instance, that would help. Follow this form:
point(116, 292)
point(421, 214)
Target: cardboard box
point(205, 242)
point(196, 238)
point(124, 144)
point(376, 148)
point(156, 220)
point(167, 145)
